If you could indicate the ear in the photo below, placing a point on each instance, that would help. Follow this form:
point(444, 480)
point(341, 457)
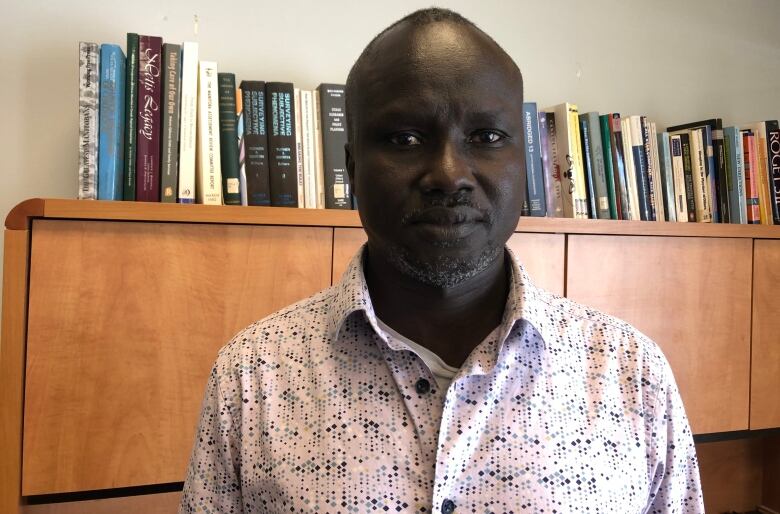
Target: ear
point(348, 154)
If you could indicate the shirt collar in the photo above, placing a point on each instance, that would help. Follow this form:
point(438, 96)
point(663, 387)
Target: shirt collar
point(352, 296)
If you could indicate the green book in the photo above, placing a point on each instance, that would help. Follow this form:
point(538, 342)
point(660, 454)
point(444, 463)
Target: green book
point(607, 147)
point(131, 107)
point(228, 138)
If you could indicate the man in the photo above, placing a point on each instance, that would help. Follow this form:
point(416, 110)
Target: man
point(435, 377)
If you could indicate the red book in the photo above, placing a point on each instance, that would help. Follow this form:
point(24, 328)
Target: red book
point(147, 164)
point(751, 177)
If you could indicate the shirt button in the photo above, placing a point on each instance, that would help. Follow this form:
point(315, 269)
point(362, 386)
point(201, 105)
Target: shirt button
point(447, 506)
point(422, 386)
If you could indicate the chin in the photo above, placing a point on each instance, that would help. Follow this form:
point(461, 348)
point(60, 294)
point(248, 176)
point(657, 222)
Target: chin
point(443, 265)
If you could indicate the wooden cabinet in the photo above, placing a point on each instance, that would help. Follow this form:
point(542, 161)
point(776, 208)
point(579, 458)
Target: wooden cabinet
point(113, 313)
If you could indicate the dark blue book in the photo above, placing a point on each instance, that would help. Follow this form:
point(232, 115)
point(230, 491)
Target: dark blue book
point(533, 161)
point(112, 123)
point(640, 169)
point(588, 165)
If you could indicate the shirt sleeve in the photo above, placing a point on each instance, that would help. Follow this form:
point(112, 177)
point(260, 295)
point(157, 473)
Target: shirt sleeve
point(213, 477)
point(675, 486)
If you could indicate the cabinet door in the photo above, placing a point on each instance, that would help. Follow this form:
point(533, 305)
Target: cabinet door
point(542, 255)
point(692, 297)
point(765, 388)
point(125, 320)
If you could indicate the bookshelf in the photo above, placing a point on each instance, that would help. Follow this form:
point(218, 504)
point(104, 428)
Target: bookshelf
point(104, 358)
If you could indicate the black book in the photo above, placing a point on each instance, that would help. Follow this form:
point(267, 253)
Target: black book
point(131, 108)
point(282, 154)
point(334, 136)
point(228, 138)
point(773, 167)
point(685, 143)
point(258, 186)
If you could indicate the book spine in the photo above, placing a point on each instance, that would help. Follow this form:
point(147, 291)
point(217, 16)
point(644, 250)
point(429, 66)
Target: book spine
point(170, 123)
point(761, 171)
point(768, 178)
point(208, 182)
point(544, 153)
point(736, 181)
point(639, 155)
point(280, 113)
point(598, 167)
point(533, 161)
point(651, 184)
point(622, 202)
point(258, 181)
point(89, 76)
point(555, 166)
point(575, 140)
point(723, 179)
point(228, 137)
point(751, 180)
point(773, 147)
point(609, 173)
point(680, 204)
point(700, 180)
point(188, 122)
point(711, 173)
point(299, 149)
point(667, 176)
point(147, 165)
point(588, 167)
point(320, 171)
point(241, 152)
point(334, 137)
point(112, 122)
point(131, 107)
point(309, 157)
point(660, 212)
point(631, 174)
point(688, 172)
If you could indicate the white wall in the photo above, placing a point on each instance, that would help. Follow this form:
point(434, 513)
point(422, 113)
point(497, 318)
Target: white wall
point(674, 61)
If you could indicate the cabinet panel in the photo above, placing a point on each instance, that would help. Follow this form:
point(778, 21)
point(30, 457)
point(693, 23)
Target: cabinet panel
point(692, 297)
point(125, 320)
point(765, 387)
point(541, 254)
point(161, 503)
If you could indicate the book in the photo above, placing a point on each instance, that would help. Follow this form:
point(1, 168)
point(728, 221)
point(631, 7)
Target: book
point(710, 172)
point(131, 107)
point(598, 169)
point(639, 157)
point(680, 205)
point(282, 158)
point(732, 149)
point(666, 175)
point(299, 149)
point(534, 174)
point(547, 173)
point(334, 137)
point(208, 167)
point(622, 202)
point(309, 155)
point(655, 161)
point(652, 185)
point(587, 168)
point(320, 170)
point(241, 152)
point(188, 121)
point(631, 174)
point(228, 139)
point(761, 169)
point(751, 180)
point(112, 122)
point(171, 97)
point(685, 143)
point(89, 77)
point(553, 176)
point(258, 180)
point(701, 182)
point(569, 160)
point(773, 147)
point(147, 164)
point(606, 141)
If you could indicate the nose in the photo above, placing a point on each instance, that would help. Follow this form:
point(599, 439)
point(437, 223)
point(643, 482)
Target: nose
point(448, 169)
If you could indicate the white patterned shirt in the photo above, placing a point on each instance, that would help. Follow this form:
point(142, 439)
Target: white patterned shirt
point(562, 409)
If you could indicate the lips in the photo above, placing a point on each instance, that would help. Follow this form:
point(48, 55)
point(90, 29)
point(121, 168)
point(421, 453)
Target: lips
point(446, 216)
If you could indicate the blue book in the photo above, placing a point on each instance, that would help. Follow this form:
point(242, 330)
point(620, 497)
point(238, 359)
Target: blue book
point(533, 161)
point(667, 176)
point(732, 149)
point(112, 123)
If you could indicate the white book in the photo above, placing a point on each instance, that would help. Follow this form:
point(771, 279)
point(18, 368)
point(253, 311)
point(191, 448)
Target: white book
point(320, 174)
point(574, 197)
point(188, 121)
point(701, 184)
point(208, 168)
point(309, 157)
point(89, 98)
point(660, 213)
point(299, 148)
point(628, 155)
point(678, 172)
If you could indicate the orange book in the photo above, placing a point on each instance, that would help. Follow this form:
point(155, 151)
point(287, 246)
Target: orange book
point(751, 177)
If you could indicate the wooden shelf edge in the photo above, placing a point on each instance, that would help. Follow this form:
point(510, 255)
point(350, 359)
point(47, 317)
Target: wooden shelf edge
point(20, 216)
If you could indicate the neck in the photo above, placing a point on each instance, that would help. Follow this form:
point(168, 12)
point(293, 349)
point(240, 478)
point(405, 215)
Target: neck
point(450, 321)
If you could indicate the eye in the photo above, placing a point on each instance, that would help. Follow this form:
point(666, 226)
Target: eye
point(405, 139)
point(486, 137)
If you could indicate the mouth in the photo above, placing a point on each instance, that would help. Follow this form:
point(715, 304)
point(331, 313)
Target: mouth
point(447, 223)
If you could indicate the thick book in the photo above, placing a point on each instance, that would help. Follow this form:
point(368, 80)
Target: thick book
point(188, 121)
point(544, 149)
point(685, 143)
point(131, 107)
point(228, 139)
point(171, 97)
point(587, 167)
point(89, 77)
point(701, 184)
point(666, 175)
point(751, 180)
point(553, 173)
point(112, 122)
point(639, 156)
point(208, 167)
point(606, 142)
point(147, 163)
point(598, 168)
point(660, 213)
point(773, 149)
point(761, 170)
point(282, 158)
point(533, 161)
point(569, 160)
point(308, 156)
point(258, 181)
point(299, 149)
point(647, 144)
point(631, 175)
point(622, 202)
point(333, 124)
point(680, 205)
point(732, 151)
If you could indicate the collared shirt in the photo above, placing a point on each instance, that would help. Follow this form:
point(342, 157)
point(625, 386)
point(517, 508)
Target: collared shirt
point(562, 409)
